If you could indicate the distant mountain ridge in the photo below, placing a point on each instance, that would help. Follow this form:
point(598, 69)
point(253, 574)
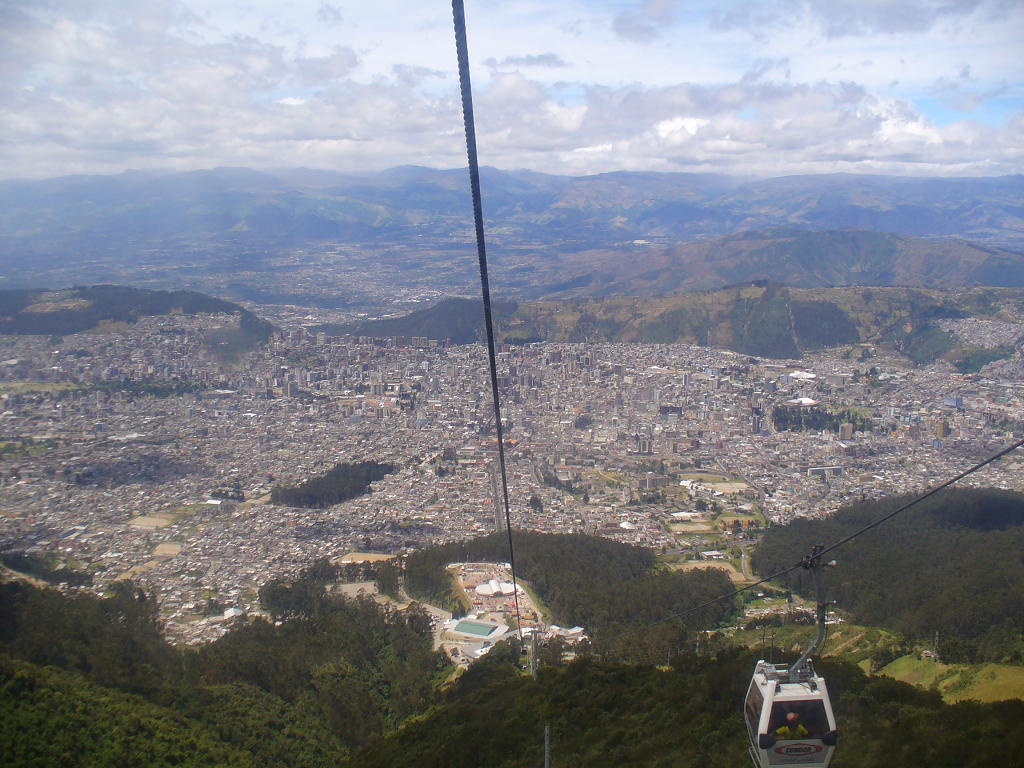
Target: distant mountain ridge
point(795, 257)
point(304, 204)
point(156, 215)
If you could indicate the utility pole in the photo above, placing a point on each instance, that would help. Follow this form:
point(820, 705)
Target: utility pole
point(547, 745)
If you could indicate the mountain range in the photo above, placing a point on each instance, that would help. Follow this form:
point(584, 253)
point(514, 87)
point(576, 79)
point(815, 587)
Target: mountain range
point(156, 220)
point(307, 205)
point(795, 257)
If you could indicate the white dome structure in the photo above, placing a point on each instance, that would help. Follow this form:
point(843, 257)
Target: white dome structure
point(495, 588)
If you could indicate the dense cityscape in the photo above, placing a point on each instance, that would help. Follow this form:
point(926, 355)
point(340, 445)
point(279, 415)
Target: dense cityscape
point(684, 449)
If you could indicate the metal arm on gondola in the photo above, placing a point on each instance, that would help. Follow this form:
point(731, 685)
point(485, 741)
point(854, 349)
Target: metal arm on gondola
point(801, 669)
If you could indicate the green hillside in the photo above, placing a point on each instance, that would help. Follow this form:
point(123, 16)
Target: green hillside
point(605, 586)
point(57, 718)
point(950, 565)
point(611, 715)
point(882, 652)
point(336, 675)
point(762, 319)
point(333, 682)
point(775, 321)
point(960, 682)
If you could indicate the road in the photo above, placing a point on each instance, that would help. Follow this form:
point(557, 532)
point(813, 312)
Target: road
point(745, 565)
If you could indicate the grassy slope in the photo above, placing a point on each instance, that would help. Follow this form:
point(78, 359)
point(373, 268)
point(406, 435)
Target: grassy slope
point(849, 642)
point(960, 682)
point(855, 643)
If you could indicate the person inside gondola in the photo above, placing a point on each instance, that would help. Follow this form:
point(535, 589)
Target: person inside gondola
point(792, 728)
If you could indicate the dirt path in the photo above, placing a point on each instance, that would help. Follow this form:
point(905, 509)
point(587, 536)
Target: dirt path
point(729, 568)
point(835, 650)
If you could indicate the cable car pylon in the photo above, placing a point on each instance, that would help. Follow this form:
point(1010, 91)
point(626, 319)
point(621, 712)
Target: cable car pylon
point(787, 710)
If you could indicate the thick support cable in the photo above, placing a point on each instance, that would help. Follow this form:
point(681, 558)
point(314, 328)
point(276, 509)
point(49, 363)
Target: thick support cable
point(462, 50)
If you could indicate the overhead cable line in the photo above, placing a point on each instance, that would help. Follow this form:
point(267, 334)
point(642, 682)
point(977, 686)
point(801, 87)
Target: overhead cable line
point(924, 496)
point(913, 502)
point(462, 50)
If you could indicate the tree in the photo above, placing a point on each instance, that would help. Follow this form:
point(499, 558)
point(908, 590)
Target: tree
point(387, 579)
point(583, 421)
point(535, 503)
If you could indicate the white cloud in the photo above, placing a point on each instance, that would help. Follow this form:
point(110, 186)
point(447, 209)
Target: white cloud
point(843, 18)
point(105, 85)
point(551, 60)
point(645, 21)
point(329, 14)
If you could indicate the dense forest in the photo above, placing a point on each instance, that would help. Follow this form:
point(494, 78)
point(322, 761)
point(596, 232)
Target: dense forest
point(764, 327)
point(96, 674)
point(556, 565)
point(342, 482)
point(819, 324)
point(334, 682)
point(951, 565)
point(687, 715)
point(602, 585)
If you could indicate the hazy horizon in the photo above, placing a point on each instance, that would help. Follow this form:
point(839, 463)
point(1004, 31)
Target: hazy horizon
point(271, 170)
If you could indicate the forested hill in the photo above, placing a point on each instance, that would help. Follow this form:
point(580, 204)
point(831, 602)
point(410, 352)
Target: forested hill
point(84, 308)
point(951, 565)
point(613, 716)
point(611, 589)
point(763, 319)
point(90, 682)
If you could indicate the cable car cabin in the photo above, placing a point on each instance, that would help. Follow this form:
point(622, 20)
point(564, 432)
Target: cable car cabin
point(789, 718)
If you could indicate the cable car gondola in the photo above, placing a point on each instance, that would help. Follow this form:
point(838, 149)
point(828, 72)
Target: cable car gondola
point(788, 712)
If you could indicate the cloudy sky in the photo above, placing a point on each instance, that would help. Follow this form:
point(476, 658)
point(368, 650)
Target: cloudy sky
point(765, 87)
